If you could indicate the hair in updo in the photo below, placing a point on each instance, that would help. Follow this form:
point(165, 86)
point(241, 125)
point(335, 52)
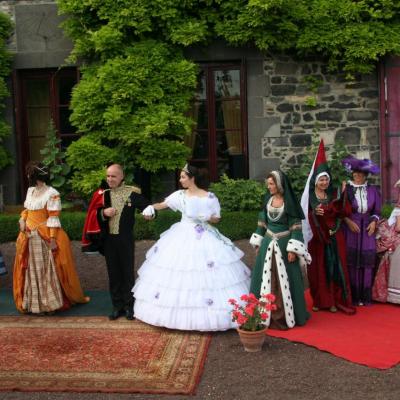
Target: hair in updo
point(199, 174)
point(276, 177)
point(36, 171)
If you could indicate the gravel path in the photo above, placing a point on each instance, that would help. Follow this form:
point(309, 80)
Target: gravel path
point(283, 370)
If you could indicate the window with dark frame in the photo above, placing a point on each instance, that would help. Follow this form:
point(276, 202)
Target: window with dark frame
point(219, 137)
point(42, 95)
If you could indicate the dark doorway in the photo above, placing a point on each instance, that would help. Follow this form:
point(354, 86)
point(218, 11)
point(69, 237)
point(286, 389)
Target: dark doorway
point(42, 95)
point(219, 137)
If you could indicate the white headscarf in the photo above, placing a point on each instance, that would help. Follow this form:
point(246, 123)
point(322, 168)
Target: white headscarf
point(321, 174)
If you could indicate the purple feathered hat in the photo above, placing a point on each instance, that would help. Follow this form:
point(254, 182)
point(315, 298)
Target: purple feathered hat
point(352, 164)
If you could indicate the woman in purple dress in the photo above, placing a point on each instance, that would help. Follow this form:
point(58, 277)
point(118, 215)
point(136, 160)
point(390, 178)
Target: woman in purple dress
point(360, 228)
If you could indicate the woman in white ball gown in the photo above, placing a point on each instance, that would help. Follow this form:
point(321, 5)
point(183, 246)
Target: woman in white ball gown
point(192, 271)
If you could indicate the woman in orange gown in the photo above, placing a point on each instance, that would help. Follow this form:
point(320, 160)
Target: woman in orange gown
point(45, 278)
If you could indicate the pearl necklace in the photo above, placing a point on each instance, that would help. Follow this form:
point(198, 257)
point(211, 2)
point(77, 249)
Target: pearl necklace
point(323, 198)
point(274, 213)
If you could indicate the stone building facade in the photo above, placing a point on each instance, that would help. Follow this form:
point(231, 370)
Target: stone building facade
point(302, 99)
point(285, 101)
point(37, 44)
point(289, 101)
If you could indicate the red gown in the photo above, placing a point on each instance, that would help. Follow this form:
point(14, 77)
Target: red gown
point(327, 274)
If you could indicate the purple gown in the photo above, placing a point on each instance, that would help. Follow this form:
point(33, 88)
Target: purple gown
point(361, 248)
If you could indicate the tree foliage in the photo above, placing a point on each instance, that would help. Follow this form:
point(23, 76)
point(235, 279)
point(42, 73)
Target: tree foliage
point(298, 176)
point(136, 83)
point(5, 67)
point(350, 34)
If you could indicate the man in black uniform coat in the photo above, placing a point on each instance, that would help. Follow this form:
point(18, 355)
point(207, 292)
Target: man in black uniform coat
point(117, 218)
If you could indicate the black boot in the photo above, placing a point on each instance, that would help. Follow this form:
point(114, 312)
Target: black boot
point(116, 314)
point(129, 315)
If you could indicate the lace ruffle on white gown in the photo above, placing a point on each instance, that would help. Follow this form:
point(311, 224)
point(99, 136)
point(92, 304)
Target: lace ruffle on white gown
point(191, 272)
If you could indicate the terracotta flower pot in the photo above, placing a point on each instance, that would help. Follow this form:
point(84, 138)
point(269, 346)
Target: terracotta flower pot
point(252, 341)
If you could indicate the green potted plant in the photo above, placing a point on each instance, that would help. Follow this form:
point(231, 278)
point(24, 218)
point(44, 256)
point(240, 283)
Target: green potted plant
point(251, 315)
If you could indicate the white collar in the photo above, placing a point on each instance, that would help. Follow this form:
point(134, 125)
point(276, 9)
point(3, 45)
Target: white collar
point(351, 183)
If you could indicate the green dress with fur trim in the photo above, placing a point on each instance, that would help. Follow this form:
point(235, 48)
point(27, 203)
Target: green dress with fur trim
point(286, 228)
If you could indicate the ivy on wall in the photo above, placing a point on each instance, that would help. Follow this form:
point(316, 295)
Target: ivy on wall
point(5, 68)
point(137, 86)
point(351, 34)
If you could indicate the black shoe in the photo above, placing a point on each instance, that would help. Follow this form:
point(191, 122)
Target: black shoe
point(116, 314)
point(129, 315)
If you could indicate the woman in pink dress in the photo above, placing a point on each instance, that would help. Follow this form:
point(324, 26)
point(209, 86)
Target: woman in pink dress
point(387, 281)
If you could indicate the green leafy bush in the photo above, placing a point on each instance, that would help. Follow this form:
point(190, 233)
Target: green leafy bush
point(91, 157)
point(298, 176)
point(386, 210)
point(131, 109)
point(238, 194)
point(54, 159)
point(9, 227)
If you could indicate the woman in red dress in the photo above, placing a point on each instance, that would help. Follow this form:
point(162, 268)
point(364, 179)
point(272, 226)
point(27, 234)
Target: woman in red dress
point(327, 273)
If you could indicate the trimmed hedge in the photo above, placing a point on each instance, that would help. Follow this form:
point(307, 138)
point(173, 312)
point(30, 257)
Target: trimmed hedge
point(8, 227)
point(234, 224)
point(238, 194)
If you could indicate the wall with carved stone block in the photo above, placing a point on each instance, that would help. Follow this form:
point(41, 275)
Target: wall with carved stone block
point(290, 100)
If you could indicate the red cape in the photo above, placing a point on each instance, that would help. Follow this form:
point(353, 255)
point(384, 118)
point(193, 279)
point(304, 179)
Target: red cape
point(92, 226)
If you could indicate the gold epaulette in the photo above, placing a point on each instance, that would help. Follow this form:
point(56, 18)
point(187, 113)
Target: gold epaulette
point(135, 189)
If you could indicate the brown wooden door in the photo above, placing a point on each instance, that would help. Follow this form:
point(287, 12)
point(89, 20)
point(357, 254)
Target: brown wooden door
point(41, 95)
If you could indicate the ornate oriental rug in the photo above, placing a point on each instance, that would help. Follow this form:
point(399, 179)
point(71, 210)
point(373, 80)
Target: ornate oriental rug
point(92, 354)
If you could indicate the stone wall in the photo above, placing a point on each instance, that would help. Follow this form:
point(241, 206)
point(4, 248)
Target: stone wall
point(8, 7)
point(37, 41)
point(302, 98)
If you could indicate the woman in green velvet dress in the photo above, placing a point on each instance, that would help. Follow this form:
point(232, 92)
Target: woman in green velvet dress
point(281, 254)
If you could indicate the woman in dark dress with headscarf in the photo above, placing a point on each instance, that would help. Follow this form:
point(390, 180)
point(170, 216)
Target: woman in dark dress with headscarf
point(327, 274)
point(279, 242)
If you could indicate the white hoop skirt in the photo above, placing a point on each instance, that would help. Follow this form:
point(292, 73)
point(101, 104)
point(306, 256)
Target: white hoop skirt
point(188, 277)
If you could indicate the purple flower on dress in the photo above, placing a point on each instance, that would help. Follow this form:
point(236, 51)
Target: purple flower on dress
point(210, 264)
point(157, 295)
point(155, 249)
point(209, 302)
point(211, 195)
point(199, 230)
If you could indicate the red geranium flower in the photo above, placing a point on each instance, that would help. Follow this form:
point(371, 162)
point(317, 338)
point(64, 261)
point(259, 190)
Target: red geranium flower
point(251, 313)
point(264, 316)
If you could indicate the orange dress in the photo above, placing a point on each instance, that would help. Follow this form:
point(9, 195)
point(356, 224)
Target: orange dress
point(36, 267)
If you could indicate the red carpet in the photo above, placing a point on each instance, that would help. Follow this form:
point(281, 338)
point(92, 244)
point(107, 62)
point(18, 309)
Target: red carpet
point(371, 337)
point(92, 354)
